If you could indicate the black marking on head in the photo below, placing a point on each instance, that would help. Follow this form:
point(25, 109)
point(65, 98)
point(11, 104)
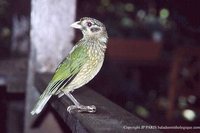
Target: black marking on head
point(97, 24)
point(95, 29)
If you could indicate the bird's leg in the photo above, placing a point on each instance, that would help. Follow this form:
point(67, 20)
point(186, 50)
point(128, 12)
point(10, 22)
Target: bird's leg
point(77, 106)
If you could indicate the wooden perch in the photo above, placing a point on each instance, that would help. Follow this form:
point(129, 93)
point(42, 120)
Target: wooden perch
point(108, 118)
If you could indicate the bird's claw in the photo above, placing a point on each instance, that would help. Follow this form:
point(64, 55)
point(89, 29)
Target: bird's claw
point(82, 108)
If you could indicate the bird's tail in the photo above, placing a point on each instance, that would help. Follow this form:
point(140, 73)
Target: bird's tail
point(44, 98)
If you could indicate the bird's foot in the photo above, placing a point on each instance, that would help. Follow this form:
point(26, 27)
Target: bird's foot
point(82, 108)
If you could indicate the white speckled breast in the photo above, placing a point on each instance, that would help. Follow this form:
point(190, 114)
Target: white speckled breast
point(89, 69)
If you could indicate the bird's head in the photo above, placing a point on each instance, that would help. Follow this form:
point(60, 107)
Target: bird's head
point(92, 29)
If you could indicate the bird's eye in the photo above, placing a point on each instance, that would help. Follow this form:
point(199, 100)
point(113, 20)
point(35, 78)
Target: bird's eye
point(89, 24)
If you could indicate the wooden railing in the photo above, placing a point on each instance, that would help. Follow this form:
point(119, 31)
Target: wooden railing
point(108, 118)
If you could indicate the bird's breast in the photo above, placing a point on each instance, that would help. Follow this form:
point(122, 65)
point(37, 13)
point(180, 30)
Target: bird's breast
point(88, 71)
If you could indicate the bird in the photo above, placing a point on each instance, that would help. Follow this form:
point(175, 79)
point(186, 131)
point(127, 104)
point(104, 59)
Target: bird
point(79, 67)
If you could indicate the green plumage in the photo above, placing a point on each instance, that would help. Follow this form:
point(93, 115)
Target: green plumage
point(80, 66)
point(67, 69)
point(71, 65)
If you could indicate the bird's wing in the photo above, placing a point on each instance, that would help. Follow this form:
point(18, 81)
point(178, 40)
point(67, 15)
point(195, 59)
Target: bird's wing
point(65, 72)
point(67, 69)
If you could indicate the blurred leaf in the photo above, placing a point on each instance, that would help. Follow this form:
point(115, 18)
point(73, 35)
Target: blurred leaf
point(141, 111)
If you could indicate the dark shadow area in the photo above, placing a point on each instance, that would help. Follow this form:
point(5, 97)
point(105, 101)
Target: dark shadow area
point(149, 83)
point(3, 109)
point(151, 67)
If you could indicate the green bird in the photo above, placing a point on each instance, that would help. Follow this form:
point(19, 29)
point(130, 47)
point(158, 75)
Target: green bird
point(79, 67)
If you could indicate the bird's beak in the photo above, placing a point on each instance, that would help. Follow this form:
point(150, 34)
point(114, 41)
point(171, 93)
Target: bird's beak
point(76, 25)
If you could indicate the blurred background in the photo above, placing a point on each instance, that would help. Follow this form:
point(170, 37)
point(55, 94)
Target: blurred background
point(152, 65)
